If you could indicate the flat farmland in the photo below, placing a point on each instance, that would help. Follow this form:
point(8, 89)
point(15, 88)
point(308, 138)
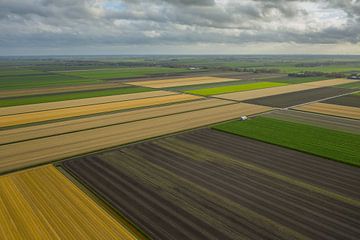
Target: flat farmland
point(80, 102)
point(174, 82)
point(42, 203)
point(234, 88)
point(124, 72)
point(348, 100)
point(328, 143)
point(240, 96)
point(26, 100)
point(331, 109)
point(56, 128)
point(211, 185)
point(61, 89)
point(38, 151)
point(300, 97)
point(326, 121)
point(34, 117)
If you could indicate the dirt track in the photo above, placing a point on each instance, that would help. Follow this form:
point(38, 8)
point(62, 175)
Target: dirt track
point(25, 118)
point(291, 99)
point(240, 96)
point(28, 153)
point(43, 130)
point(181, 82)
point(211, 185)
point(331, 109)
point(331, 122)
point(80, 102)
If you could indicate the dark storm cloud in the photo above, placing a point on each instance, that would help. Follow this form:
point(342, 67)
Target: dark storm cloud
point(62, 23)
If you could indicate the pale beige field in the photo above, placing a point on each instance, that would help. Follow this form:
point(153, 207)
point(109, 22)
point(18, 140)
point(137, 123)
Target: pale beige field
point(43, 130)
point(42, 203)
point(241, 96)
point(331, 109)
point(80, 102)
point(32, 117)
point(63, 89)
point(37, 151)
point(181, 82)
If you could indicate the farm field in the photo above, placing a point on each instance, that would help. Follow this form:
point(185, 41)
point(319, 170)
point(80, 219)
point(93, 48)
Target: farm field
point(315, 140)
point(41, 80)
point(56, 128)
point(52, 90)
point(331, 109)
point(325, 121)
point(299, 97)
point(15, 101)
point(174, 82)
point(348, 100)
point(34, 117)
point(38, 151)
point(207, 184)
point(80, 102)
point(124, 72)
point(234, 88)
point(241, 96)
point(42, 203)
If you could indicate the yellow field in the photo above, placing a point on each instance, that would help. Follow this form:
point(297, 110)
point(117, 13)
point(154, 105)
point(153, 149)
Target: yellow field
point(175, 82)
point(42, 203)
point(55, 128)
point(80, 102)
point(28, 153)
point(331, 109)
point(12, 120)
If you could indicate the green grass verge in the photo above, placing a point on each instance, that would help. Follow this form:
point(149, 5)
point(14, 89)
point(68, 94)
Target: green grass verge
point(7, 102)
point(112, 73)
point(332, 144)
point(236, 88)
point(354, 85)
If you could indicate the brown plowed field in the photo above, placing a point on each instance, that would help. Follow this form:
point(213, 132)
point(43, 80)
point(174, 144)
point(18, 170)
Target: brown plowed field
point(49, 90)
point(295, 98)
point(331, 109)
point(240, 96)
point(38, 151)
point(56, 128)
point(326, 121)
point(42, 203)
point(348, 100)
point(32, 117)
point(80, 102)
point(181, 82)
point(212, 185)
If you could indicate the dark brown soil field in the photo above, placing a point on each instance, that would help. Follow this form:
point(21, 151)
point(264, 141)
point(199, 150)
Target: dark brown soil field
point(326, 121)
point(348, 100)
point(296, 98)
point(207, 184)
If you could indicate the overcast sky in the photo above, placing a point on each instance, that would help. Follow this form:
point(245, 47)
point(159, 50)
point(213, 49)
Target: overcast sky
point(46, 27)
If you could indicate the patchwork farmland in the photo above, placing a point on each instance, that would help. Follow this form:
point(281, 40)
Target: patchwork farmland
point(177, 153)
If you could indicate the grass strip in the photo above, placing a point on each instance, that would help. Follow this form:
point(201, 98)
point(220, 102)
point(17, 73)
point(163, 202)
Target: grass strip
point(236, 88)
point(332, 144)
point(16, 101)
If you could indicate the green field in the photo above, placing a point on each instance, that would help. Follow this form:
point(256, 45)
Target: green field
point(235, 88)
point(41, 80)
point(332, 144)
point(354, 85)
point(7, 102)
point(124, 72)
